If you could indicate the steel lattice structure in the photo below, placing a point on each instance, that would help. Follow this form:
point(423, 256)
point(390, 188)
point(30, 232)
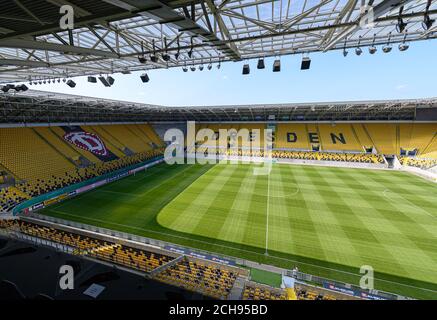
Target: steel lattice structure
point(109, 35)
point(48, 107)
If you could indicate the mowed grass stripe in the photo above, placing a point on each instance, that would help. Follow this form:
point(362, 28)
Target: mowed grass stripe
point(281, 237)
point(333, 238)
point(317, 233)
point(406, 211)
point(189, 207)
point(99, 206)
point(412, 227)
point(376, 247)
point(237, 218)
point(423, 199)
point(312, 219)
point(254, 233)
point(415, 254)
point(220, 203)
point(306, 241)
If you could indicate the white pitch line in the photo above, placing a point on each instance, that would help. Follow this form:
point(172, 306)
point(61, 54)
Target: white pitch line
point(235, 249)
point(121, 193)
point(410, 203)
point(268, 212)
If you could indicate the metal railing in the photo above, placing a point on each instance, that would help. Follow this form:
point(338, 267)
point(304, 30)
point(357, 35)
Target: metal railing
point(330, 284)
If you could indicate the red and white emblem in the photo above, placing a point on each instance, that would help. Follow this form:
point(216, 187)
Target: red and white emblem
point(87, 141)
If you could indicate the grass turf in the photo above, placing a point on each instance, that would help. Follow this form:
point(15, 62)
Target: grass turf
point(266, 277)
point(328, 221)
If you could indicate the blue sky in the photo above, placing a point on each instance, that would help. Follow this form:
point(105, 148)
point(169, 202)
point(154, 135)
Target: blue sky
point(332, 77)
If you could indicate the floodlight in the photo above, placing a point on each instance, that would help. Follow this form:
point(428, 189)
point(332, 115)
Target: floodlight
point(372, 49)
point(386, 49)
point(404, 46)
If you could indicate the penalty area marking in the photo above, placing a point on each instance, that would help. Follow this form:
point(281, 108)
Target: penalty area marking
point(281, 196)
point(386, 191)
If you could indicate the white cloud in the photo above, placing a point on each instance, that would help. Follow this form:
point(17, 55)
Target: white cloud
point(401, 87)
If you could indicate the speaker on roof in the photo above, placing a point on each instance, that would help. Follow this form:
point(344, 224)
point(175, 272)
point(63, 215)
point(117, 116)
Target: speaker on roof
point(306, 63)
point(246, 69)
point(277, 65)
point(144, 78)
point(104, 81)
point(71, 83)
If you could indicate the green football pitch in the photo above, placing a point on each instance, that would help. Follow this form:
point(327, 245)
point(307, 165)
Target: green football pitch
point(328, 221)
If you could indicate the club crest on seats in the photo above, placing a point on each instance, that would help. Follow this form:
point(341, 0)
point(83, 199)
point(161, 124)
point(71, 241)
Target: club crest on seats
point(87, 141)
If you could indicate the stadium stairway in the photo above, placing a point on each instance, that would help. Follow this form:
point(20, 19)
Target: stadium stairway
point(45, 135)
point(8, 172)
point(22, 148)
point(202, 276)
point(238, 288)
point(110, 144)
point(55, 162)
point(136, 131)
point(68, 149)
point(159, 269)
point(291, 294)
point(430, 150)
point(151, 135)
point(126, 137)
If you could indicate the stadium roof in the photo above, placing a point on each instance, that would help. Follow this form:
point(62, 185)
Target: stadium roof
point(109, 35)
point(48, 107)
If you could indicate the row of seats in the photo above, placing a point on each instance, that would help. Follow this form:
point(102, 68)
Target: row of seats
point(386, 138)
point(49, 154)
point(29, 157)
point(11, 196)
point(209, 279)
point(302, 155)
point(304, 292)
point(39, 160)
point(83, 245)
point(330, 156)
point(252, 291)
point(73, 240)
point(418, 162)
point(232, 152)
point(312, 295)
point(130, 257)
